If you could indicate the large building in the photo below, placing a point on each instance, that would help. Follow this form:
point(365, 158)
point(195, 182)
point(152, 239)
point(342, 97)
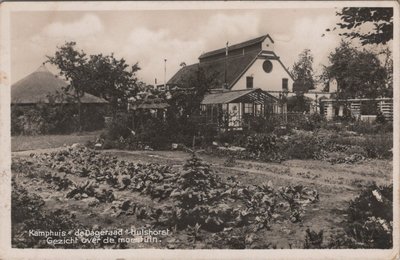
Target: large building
point(248, 78)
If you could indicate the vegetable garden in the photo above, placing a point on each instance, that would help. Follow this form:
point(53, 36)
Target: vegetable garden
point(191, 198)
point(77, 188)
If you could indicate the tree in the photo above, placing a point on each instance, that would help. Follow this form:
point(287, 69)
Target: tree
point(388, 65)
point(298, 103)
point(379, 18)
point(185, 100)
point(73, 66)
point(302, 70)
point(112, 79)
point(359, 74)
point(100, 75)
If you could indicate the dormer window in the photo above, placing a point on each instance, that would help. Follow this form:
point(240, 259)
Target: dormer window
point(249, 82)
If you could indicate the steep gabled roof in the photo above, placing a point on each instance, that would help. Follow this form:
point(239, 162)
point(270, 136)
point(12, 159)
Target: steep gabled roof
point(184, 74)
point(240, 57)
point(236, 46)
point(36, 87)
point(235, 65)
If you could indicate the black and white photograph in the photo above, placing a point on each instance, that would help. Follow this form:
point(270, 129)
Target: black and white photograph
point(192, 127)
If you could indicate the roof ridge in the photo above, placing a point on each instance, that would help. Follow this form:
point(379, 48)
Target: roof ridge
point(245, 89)
point(232, 57)
point(236, 90)
point(236, 45)
point(42, 68)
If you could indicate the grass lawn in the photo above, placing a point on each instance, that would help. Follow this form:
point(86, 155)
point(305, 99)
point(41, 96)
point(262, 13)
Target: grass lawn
point(24, 143)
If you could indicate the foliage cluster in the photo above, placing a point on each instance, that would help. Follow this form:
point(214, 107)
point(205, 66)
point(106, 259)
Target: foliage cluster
point(302, 71)
point(124, 131)
point(353, 18)
point(300, 144)
point(358, 73)
point(369, 222)
point(27, 211)
point(54, 118)
point(100, 75)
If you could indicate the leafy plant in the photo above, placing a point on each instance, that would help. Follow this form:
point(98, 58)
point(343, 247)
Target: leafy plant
point(370, 220)
point(313, 240)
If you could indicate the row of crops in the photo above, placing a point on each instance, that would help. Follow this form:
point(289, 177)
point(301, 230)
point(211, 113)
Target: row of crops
point(192, 199)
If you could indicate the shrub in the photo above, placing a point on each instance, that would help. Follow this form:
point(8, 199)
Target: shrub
point(195, 194)
point(369, 222)
point(370, 217)
point(312, 122)
point(362, 127)
point(313, 240)
point(207, 135)
point(335, 126)
point(380, 118)
point(305, 122)
point(261, 144)
point(118, 127)
point(153, 133)
point(257, 124)
point(24, 205)
point(28, 213)
point(378, 146)
point(29, 123)
point(93, 118)
point(52, 118)
point(236, 138)
point(302, 146)
point(369, 108)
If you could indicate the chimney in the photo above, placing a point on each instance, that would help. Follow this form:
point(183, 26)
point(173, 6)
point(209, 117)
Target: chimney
point(225, 69)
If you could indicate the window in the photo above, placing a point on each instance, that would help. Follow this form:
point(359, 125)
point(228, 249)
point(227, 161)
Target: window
point(285, 84)
point(249, 82)
point(259, 109)
point(248, 108)
point(267, 66)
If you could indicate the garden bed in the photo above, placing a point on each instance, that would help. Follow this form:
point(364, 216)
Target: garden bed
point(336, 185)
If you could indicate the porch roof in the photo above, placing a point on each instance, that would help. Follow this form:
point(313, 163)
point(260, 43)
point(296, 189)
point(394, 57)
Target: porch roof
point(244, 95)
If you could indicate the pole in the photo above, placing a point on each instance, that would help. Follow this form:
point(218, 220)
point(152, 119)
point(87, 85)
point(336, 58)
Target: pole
point(165, 73)
point(226, 56)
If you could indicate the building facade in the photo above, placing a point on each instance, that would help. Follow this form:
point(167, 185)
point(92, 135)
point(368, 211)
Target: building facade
point(248, 79)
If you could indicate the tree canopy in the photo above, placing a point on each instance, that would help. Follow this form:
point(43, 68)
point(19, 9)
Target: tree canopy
point(112, 79)
point(302, 70)
point(359, 73)
point(186, 101)
point(100, 75)
point(379, 20)
point(72, 66)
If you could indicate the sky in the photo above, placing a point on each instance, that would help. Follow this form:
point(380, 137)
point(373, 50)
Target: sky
point(149, 37)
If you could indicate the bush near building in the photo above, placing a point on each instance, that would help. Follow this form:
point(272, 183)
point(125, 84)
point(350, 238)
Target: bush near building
point(40, 119)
